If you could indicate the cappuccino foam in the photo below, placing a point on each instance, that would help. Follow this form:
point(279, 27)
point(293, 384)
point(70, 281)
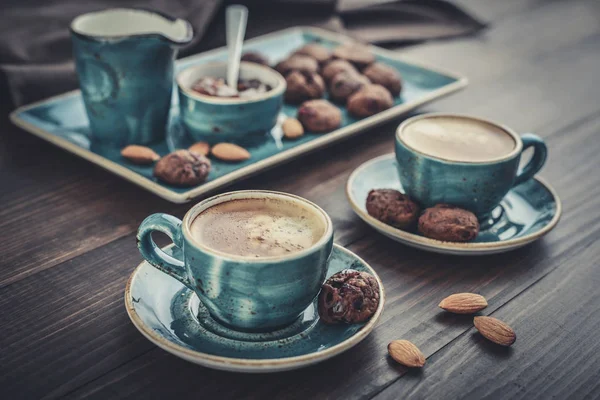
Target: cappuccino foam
point(258, 227)
point(458, 139)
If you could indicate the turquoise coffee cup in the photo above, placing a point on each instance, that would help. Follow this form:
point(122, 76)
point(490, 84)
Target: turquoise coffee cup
point(478, 186)
point(244, 293)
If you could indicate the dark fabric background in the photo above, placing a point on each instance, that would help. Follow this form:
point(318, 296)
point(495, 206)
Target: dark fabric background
point(35, 47)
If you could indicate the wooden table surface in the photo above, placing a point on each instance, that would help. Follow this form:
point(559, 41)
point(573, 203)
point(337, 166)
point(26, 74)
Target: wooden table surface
point(68, 247)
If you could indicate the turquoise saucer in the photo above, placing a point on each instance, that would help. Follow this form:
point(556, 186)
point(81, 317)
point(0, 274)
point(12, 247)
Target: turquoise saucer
point(172, 317)
point(528, 212)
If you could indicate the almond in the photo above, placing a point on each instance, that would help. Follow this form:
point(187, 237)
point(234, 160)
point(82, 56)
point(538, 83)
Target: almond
point(495, 330)
point(292, 128)
point(201, 148)
point(464, 303)
point(406, 353)
point(230, 152)
point(139, 154)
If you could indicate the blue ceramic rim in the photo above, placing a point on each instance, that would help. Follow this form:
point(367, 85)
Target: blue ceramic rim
point(256, 194)
point(514, 153)
point(103, 38)
point(434, 244)
point(262, 365)
point(274, 92)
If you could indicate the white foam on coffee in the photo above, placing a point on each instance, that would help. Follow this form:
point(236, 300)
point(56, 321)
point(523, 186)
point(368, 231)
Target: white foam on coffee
point(458, 139)
point(257, 228)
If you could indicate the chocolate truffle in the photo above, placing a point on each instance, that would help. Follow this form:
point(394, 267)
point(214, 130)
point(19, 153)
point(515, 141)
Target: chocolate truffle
point(302, 86)
point(357, 54)
point(385, 76)
point(335, 67)
point(345, 84)
point(319, 116)
point(448, 223)
point(297, 62)
point(349, 296)
point(316, 51)
point(369, 100)
point(393, 208)
point(182, 168)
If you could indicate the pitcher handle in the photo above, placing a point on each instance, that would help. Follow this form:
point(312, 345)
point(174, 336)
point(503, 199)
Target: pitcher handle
point(170, 226)
point(540, 152)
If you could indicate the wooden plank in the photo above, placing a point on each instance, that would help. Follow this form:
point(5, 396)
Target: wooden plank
point(84, 295)
point(411, 312)
point(415, 283)
point(556, 355)
point(67, 324)
point(66, 327)
point(76, 207)
point(520, 77)
point(55, 207)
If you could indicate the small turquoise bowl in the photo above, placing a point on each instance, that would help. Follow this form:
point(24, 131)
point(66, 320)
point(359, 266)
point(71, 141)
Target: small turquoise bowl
point(224, 119)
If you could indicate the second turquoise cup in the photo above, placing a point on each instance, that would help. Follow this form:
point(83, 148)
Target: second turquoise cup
point(476, 186)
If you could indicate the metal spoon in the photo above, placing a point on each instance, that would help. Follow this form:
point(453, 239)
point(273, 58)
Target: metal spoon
point(236, 17)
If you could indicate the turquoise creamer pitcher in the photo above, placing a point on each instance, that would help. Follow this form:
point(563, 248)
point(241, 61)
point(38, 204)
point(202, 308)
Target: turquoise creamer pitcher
point(125, 63)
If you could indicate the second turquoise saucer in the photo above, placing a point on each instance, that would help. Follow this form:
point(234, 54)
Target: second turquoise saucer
point(172, 317)
point(527, 212)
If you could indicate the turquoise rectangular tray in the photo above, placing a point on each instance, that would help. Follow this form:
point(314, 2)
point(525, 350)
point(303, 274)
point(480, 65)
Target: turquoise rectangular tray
point(62, 120)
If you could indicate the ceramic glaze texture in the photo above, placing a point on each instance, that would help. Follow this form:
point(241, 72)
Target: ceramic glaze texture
point(217, 119)
point(431, 181)
point(475, 186)
point(127, 80)
point(526, 213)
point(253, 295)
point(241, 292)
point(172, 317)
point(245, 124)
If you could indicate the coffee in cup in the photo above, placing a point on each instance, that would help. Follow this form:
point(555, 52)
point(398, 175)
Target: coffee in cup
point(256, 259)
point(458, 139)
point(257, 228)
point(465, 161)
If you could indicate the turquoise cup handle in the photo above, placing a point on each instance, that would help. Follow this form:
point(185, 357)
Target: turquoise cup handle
point(540, 152)
point(170, 226)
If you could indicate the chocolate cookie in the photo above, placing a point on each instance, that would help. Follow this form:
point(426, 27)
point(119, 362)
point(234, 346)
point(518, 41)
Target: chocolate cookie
point(369, 100)
point(357, 54)
point(297, 62)
point(448, 223)
point(182, 168)
point(393, 208)
point(344, 84)
point(349, 296)
point(255, 57)
point(302, 86)
point(334, 67)
point(316, 51)
point(385, 76)
point(319, 116)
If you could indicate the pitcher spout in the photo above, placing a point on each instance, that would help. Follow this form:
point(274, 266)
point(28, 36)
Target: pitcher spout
point(123, 23)
point(125, 63)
